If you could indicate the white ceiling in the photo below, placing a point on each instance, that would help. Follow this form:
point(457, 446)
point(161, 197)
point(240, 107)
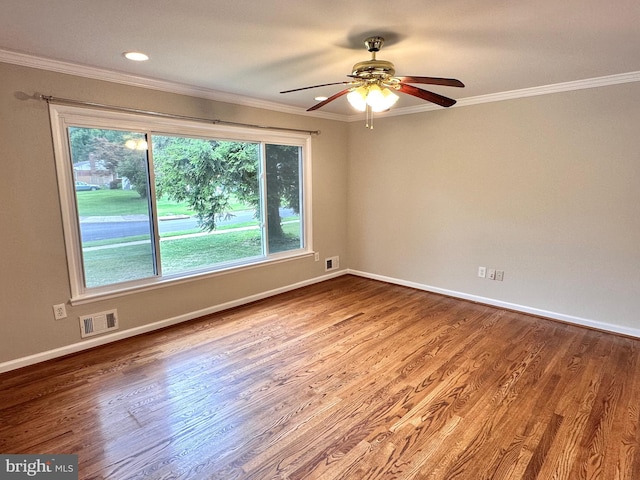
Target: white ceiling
point(258, 48)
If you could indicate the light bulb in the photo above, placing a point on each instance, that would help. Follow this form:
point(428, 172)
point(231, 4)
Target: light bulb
point(357, 98)
point(140, 144)
point(375, 99)
point(136, 56)
point(381, 99)
point(390, 98)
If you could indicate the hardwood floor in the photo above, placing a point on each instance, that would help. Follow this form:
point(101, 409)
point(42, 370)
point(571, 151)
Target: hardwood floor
point(347, 379)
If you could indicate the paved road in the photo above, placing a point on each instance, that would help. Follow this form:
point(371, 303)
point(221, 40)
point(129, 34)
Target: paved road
point(102, 229)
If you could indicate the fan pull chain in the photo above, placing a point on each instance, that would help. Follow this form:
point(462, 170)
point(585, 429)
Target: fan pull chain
point(369, 117)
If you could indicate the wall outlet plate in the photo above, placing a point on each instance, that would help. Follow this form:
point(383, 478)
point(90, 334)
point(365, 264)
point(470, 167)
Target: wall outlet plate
point(482, 272)
point(59, 311)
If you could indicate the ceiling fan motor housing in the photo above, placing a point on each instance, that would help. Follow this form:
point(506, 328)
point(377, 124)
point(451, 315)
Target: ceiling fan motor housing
point(374, 68)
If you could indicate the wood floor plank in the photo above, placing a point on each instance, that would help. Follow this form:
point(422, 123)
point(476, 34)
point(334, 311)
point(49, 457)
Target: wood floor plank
point(346, 379)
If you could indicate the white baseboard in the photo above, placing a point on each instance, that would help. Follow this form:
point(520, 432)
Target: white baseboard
point(606, 327)
point(97, 341)
point(103, 340)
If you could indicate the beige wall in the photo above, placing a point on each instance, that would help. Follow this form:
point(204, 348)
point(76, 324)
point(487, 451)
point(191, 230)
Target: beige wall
point(33, 272)
point(545, 188)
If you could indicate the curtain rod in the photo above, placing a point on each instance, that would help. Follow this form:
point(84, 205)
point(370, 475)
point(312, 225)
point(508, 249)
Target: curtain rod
point(67, 101)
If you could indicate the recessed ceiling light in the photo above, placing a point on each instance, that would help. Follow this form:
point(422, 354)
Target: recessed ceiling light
point(136, 56)
point(321, 99)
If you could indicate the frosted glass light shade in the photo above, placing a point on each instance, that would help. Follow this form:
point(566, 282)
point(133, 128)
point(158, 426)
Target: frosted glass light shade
point(379, 99)
point(358, 98)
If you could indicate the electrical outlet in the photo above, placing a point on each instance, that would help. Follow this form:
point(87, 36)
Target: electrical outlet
point(316, 256)
point(482, 272)
point(59, 311)
point(491, 274)
point(499, 275)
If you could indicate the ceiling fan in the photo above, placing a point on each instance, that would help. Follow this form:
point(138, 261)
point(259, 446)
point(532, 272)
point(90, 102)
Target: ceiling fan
point(374, 82)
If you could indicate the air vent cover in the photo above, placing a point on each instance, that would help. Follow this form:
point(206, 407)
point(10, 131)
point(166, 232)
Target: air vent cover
point(97, 323)
point(331, 263)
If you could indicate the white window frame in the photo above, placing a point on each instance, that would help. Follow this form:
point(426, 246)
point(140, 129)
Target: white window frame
point(65, 116)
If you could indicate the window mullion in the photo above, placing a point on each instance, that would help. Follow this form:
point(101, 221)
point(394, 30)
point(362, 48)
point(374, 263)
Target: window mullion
point(264, 224)
point(153, 208)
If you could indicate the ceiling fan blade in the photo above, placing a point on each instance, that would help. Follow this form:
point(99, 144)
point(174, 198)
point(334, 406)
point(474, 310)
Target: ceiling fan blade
point(316, 86)
point(426, 95)
point(330, 99)
point(449, 82)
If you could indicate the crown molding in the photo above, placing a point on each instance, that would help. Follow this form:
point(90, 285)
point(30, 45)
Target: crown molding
point(521, 93)
point(59, 66)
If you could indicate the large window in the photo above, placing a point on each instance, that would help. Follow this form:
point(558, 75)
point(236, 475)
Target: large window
point(148, 200)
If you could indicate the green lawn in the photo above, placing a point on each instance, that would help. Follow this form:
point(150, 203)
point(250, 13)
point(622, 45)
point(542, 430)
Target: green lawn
point(179, 252)
point(194, 253)
point(128, 202)
point(134, 261)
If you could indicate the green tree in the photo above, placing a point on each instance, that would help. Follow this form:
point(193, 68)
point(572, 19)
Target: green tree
point(206, 173)
point(134, 167)
point(283, 185)
point(109, 147)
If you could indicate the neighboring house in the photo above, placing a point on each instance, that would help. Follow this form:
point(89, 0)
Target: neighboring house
point(94, 172)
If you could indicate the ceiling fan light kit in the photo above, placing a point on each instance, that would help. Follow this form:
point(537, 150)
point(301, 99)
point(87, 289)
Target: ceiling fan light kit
point(372, 96)
point(374, 82)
